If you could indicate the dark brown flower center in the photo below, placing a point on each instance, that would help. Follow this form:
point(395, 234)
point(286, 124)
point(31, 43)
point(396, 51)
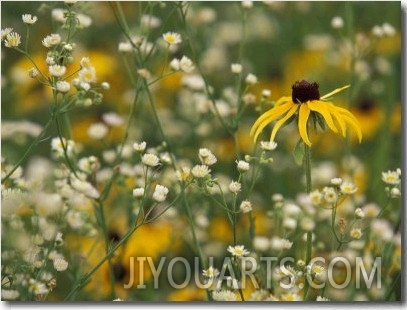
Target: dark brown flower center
point(304, 91)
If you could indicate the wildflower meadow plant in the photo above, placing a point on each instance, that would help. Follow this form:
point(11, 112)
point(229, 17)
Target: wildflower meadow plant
point(151, 151)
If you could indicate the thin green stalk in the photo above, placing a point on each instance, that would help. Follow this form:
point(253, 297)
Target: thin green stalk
point(393, 286)
point(84, 279)
point(307, 167)
point(100, 210)
point(194, 237)
point(308, 185)
point(64, 146)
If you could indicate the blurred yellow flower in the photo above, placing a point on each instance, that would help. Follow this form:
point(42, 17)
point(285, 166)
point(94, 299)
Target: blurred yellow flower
point(306, 99)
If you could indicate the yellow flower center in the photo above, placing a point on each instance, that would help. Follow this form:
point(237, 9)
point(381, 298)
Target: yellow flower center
point(304, 91)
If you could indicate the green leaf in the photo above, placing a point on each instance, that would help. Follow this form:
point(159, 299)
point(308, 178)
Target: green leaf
point(298, 152)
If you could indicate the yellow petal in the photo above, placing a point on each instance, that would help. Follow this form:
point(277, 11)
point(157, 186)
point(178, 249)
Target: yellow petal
point(282, 100)
point(334, 92)
point(268, 117)
point(282, 121)
point(302, 123)
point(351, 120)
point(338, 117)
point(322, 108)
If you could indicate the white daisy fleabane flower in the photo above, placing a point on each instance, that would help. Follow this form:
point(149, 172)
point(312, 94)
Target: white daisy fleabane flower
point(29, 19)
point(183, 174)
point(60, 264)
point(105, 85)
point(210, 272)
point(238, 250)
point(13, 39)
point(138, 192)
point(348, 188)
point(391, 177)
point(359, 214)
point(172, 38)
point(125, 47)
point(279, 244)
point(316, 197)
point(160, 193)
point(97, 131)
point(51, 40)
point(87, 74)
point(58, 149)
point(266, 93)
point(63, 86)
point(150, 160)
point(224, 295)
point(150, 21)
point(235, 187)
point(5, 32)
point(242, 166)
point(251, 79)
point(245, 206)
point(336, 181)
point(330, 195)
point(84, 20)
point(68, 47)
point(175, 65)
point(184, 64)
point(85, 62)
point(236, 68)
point(33, 73)
point(356, 233)
point(140, 146)
point(113, 119)
point(337, 22)
point(268, 145)
point(9, 294)
point(200, 171)
point(206, 157)
point(395, 192)
point(261, 243)
point(57, 70)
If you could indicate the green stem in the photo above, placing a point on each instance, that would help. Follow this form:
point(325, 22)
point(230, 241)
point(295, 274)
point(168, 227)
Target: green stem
point(308, 182)
point(195, 239)
point(109, 254)
point(307, 167)
point(101, 212)
point(393, 286)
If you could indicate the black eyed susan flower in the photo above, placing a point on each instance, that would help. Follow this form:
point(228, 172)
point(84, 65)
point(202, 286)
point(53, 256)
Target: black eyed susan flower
point(305, 101)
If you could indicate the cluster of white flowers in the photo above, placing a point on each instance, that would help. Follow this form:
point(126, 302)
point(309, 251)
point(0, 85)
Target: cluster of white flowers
point(393, 179)
point(52, 40)
point(206, 157)
point(184, 64)
point(160, 193)
point(384, 30)
point(11, 39)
